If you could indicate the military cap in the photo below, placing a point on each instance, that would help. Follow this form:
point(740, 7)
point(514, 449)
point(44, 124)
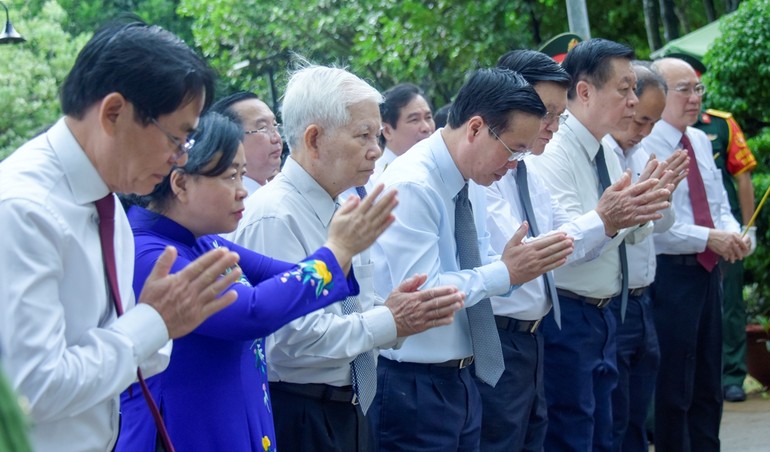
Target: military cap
point(558, 46)
point(693, 61)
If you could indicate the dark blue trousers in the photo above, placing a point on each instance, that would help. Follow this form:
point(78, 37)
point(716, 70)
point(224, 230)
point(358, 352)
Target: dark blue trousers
point(580, 373)
point(686, 301)
point(423, 408)
point(515, 417)
point(638, 361)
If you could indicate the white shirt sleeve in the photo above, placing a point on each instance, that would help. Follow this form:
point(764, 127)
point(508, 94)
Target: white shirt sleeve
point(62, 377)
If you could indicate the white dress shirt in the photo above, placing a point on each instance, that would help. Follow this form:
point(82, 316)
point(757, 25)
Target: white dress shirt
point(251, 185)
point(684, 236)
point(567, 167)
point(505, 214)
point(380, 165)
point(422, 240)
point(288, 219)
point(641, 256)
point(62, 346)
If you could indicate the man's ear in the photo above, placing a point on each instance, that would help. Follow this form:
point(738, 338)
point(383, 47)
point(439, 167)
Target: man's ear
point(583, 91)
point(112, 108)
point(473, 127)
point(311, 137)
point(387, 131)
point(178, 182)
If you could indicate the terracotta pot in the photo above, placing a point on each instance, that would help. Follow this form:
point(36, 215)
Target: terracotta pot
point(757, 353)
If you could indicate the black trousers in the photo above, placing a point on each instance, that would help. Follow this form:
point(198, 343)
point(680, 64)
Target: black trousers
point(687, 302)
point(305, 424)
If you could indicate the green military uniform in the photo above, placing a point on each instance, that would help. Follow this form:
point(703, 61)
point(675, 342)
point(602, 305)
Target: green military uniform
point(733, 157)
point(13, 429)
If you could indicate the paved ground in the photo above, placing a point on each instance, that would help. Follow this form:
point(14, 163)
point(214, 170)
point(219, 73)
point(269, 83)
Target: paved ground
point(746, 425)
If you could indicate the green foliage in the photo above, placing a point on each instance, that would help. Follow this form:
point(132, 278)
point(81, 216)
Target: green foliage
point(31, 73)
point(757, 265)
point(739, 65)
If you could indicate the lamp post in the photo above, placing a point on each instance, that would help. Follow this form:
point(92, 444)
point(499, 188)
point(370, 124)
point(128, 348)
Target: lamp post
point(9, 34)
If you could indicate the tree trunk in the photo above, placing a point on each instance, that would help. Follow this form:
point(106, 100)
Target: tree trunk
point(670, 21)
point(731, 5)
point(652, 24)
point(711, 14)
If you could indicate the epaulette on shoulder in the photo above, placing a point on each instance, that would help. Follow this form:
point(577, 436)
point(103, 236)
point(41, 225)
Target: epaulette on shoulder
point(719, 113)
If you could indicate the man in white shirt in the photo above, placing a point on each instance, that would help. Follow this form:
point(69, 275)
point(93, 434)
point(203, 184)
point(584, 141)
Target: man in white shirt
point(637, 343)
point(261, 136)
point(687, 294)
point(577, 170)
point(407, 119)
point(124, 128)
point(515, 409)
point(332, 122)
point(494, 118)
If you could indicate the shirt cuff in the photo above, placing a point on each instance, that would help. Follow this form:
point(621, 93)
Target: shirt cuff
point(496, 279)
point(380, 323)
point(145, 328)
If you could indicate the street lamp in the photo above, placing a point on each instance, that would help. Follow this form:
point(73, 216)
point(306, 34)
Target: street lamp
point(9, 34)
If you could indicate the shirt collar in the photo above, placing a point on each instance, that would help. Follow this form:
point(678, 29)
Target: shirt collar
point(584, 137)
point(447, 168)
point(668, 133)
point(322, 204)
point(143, 219)
point(83, 178)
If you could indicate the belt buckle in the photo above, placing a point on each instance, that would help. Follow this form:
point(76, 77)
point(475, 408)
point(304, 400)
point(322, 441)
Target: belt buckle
point(465, 362)
point(603, 302)
point(534, 326)
point(354, 400)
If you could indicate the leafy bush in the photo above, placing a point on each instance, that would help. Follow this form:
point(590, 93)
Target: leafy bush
point(739, 66)
point(757, 290)
point(31, 73)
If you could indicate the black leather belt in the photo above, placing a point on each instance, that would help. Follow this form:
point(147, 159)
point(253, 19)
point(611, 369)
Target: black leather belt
point(689, 260)
point(638, 292)
point(598, 302)
point(456, 363)
point(344, 394)
point(516, 325)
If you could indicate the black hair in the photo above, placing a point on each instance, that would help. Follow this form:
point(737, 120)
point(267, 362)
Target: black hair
point(217, 138)
point(494, 94)
point(535, 67)
point(224, 106)
point(590, 59)
point(395, 99)
point(645, 78)
point(441, 117)
point(152, 68)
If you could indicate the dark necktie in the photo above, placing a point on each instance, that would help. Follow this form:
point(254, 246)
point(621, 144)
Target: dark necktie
point(105, 207)
point(487, 352)
point(529, 214)
point(604, 181)
point(700, 204)
point(363, 369)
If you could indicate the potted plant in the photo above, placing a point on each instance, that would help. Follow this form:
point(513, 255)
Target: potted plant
point(757, 334)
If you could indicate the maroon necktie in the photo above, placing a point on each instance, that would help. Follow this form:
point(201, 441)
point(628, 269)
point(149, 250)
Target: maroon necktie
point(700, 204)
point(105, 207)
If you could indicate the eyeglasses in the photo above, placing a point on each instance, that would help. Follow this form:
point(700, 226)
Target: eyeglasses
point(516, 156)
point(686, 90)
point(182, 148)
point(266, 130)
point(550, 117)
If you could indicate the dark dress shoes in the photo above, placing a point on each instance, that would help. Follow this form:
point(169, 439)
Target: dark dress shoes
point(734, 393)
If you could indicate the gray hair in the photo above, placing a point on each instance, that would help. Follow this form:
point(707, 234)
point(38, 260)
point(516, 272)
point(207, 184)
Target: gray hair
point(321, 95)
point(646, 78)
